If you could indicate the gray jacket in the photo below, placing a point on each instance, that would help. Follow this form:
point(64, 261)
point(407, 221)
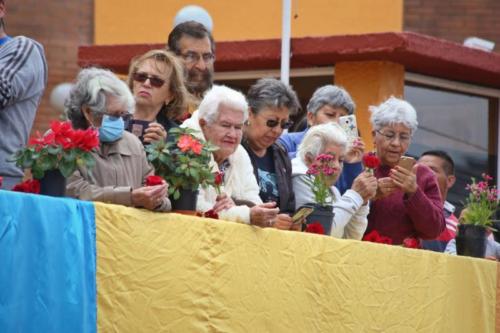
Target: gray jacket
point(23, 75)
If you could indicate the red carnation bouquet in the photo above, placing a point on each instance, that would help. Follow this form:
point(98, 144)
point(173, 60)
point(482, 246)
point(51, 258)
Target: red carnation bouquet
point(371, 161)
point(322, 174)
point(62, 148)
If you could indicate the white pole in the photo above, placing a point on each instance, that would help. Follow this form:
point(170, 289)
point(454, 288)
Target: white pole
point(285, 41)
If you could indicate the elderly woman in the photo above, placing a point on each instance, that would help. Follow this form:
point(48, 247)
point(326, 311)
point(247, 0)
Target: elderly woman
point(101, 100)
point(156, 81)
point(351, 208)
point(271, 104)
point(408, 201)
point(328, 104)
point(220, 119)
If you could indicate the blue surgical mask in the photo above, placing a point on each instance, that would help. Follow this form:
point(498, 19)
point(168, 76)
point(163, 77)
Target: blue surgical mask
point(111, 129)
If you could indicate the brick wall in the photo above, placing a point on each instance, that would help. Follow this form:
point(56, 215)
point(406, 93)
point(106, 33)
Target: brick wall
point(454, 20)
point(61, 26)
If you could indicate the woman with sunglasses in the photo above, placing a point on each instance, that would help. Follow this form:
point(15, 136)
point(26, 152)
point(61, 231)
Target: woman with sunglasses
point(156, 81)
point(271, 103)
point(101, 100)
point(408, 202)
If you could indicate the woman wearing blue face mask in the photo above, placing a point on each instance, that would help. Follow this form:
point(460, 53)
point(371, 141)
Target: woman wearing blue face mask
point(102, 101)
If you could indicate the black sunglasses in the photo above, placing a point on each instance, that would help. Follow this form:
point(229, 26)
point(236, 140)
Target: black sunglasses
point(142, 77)
point(285, 124)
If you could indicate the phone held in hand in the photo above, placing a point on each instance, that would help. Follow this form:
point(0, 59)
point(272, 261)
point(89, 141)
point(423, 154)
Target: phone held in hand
point(407, 162)
point(138, 127)
point(350, 127)
point(301, 215)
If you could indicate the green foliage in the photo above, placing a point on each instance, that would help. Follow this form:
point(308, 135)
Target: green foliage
point(183, 166)
point(481, 203)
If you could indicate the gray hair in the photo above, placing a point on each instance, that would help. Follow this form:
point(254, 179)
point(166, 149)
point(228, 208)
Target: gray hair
point(272, 93)
point(91, 89)
point(333, 96)
point(320, 136)
point(394, 111)
point(209, 106)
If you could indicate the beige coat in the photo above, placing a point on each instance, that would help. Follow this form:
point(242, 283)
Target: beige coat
point(120, 167)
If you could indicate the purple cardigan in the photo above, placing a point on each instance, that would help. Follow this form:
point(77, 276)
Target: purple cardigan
point(399, 216)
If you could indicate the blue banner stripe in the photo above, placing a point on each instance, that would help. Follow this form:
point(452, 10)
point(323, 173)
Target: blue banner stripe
point(47, 264)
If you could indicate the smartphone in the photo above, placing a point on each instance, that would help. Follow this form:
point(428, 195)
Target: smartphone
point(350, 127)
point(407, 162)
point(138, 127)
point(301, 214)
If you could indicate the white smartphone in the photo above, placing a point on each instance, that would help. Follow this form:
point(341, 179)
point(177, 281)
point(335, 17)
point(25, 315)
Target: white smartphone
point(348, 124)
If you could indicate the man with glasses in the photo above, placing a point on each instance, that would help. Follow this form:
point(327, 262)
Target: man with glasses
point(195, 46)
point(23, 75)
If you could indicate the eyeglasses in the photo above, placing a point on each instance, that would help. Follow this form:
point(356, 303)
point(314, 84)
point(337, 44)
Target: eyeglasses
point(125, 116)
point(153, 80)
point(403, 138)
point(192, 57)
point(285, 124)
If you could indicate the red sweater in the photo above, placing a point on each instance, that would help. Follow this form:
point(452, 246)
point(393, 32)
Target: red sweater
point(399, 216)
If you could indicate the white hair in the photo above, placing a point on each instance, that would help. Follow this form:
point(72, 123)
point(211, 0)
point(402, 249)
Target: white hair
point(209, 106)
point(319, 137)
point(394, 111)
point(92, 87)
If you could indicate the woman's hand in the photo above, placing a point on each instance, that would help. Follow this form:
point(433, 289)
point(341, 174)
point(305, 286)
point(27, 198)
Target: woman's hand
point(264, 214)
point(283, 222)
point(365, 185)
point(385, 187)
point(404, 179)
point(154, 132)
point(223, 202)
point(356, 151)
point(149, 197)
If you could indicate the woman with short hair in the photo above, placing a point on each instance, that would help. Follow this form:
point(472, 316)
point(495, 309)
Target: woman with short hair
point(271, 103)
point(101, 100)
point(408, 202)
point(351, 208)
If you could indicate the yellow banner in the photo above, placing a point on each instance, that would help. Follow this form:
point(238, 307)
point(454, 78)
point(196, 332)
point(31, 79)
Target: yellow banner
point(168, 272)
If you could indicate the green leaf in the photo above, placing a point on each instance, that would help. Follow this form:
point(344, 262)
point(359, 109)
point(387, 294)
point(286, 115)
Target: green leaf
point(67, 168)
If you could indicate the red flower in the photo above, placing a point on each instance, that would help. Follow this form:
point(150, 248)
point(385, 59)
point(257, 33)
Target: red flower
point(412, 243)
point(28, 186)
point(154, 180)
point(370, 160)
point(211, 214)
point(219, 177)
point(315, 228)
point(187, 142)
point(85, 139)
point(375, 237)
point(1, 181)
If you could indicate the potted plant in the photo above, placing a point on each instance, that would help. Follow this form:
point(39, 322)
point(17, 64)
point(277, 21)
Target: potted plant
point(184, 162)
point(320, 177)
point(476, 218)
point(54, 156)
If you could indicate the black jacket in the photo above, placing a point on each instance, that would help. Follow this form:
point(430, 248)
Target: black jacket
point(283, 169)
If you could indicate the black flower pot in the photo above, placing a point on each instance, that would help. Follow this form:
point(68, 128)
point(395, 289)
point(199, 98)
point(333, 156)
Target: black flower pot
point(53, 183)
point(322, 215)
point(187, 200)
point(471, 240)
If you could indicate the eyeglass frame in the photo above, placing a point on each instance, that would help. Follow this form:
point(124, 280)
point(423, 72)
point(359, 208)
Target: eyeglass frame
point(125, 115)
point(284, 124)
point(155, 81)
point(391, 138)
point(208, 58)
